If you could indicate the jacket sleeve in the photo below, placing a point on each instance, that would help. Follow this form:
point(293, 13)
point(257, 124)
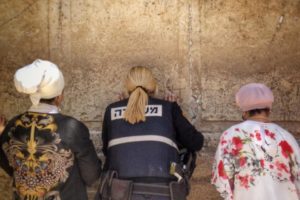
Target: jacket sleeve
point(104, 133)
point(85, 154)
point(4, 163)
point(186, 133)
point(294, 160)
point(223, 168)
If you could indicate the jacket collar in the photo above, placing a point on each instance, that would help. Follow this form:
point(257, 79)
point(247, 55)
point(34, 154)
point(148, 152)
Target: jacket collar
point(44, 108)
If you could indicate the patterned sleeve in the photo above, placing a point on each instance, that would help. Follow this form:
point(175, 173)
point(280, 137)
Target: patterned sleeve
point(223, 168)
point(4, 163)
point(297, 171)
point(293, 153)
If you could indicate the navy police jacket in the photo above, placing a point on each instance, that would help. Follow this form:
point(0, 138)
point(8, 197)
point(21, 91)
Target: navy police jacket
point(146, 149)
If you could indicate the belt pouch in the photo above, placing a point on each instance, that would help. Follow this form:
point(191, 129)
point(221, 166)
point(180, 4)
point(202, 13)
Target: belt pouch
point(177, 191)
point(121, 189)
point(104, 189)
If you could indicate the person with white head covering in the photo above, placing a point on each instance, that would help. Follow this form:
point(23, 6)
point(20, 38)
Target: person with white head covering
point(257, 159)
point(49, 155)
point(41, 80)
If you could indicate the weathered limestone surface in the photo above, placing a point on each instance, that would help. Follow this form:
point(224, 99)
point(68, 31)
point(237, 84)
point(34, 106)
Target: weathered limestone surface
point(203, 51)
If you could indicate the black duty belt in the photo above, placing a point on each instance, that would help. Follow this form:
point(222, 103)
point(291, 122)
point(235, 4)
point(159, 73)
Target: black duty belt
point(151, 189)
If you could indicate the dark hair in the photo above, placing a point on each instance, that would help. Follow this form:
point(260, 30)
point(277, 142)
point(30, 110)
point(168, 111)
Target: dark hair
point(258, 111)
point(47, 101)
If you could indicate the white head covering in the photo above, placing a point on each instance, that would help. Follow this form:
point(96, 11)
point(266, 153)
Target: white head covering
point(41, 79)
point(254, 96)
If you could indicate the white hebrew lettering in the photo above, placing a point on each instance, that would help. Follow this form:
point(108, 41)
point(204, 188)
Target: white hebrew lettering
point(150, 111)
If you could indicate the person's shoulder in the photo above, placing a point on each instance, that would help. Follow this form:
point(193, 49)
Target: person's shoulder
point(234, 129)
point(117, 104)
point(12, 121)
point(284, 135)
point(156, 100)
point(71, 122)
point(278, 128)
point(153, 100)
point(65, 117)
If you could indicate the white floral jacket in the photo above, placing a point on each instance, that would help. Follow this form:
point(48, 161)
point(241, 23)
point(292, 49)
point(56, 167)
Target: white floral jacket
point(257, 161)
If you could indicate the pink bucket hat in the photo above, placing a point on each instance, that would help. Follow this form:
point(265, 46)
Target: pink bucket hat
point(254, 96)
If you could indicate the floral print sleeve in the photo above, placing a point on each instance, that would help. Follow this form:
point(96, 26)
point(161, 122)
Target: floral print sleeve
point(223, 169)
point(291, 151)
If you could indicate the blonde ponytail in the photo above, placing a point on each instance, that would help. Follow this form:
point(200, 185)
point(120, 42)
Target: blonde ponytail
point(137, 102)
point(139, 83)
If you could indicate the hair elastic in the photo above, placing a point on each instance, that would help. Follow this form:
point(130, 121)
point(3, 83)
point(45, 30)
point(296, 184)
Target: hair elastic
point(139, 86)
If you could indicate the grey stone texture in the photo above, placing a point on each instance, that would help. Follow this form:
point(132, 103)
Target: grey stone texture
point(202, 51)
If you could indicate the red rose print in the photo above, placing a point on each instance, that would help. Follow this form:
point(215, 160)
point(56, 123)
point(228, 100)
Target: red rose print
point(244, 181)
point(242, 161)
point(235, 152)
point(286, 149)
point(223, 141)
point(238, 145)
point(262, 163)
point(237, 142)
point(221, 170)
point(225, 151)
point(270, 134)
point(258, 136)
point(281, 166)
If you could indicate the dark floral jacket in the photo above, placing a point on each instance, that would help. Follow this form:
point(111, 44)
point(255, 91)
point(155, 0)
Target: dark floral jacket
point(49, 156)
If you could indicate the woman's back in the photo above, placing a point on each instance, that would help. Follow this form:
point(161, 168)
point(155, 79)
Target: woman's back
point(261, 158)
point(144, 149)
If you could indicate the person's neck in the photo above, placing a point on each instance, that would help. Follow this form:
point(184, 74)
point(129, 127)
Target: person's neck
point(260, 118)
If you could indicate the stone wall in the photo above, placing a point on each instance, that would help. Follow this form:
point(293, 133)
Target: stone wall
point(203, 51)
